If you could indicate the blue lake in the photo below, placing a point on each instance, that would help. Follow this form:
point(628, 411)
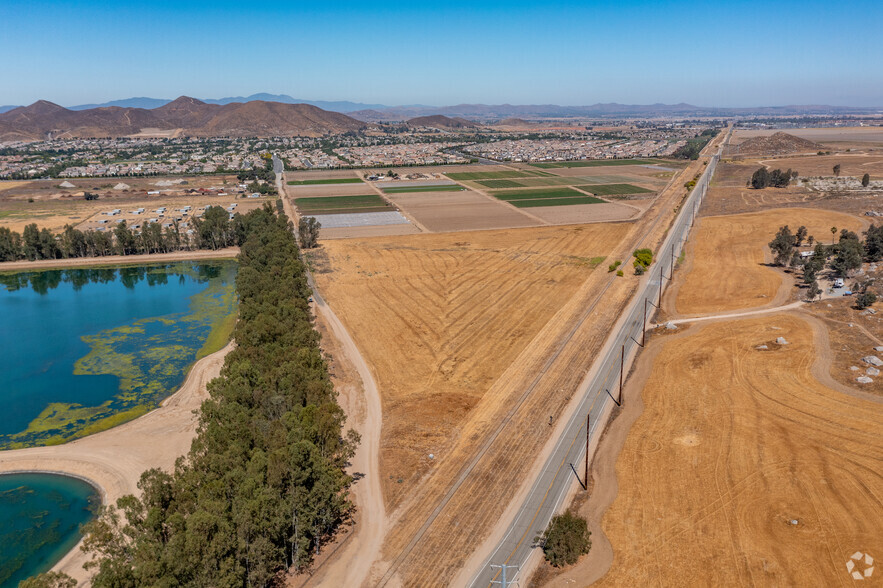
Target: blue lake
point(40, 518)
point(86, 349)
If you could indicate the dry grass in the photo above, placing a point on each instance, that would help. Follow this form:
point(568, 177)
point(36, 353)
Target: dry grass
point(727, 256)
point(733, 445)
point(440, 317)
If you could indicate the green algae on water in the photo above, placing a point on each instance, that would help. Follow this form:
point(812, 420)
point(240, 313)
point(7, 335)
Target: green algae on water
point(149, 356)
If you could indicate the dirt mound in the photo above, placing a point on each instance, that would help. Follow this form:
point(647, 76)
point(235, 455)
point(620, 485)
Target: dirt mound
point(775, 144)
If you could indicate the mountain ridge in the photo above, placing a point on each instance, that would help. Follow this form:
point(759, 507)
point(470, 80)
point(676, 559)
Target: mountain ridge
point(192, 117)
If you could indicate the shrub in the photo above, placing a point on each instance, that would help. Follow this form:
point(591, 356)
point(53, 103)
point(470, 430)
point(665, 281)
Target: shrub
point(639, 268)
point(566, 538)
point(613, 266)
point(865, 299)
point(644, 257)
point(620, 273)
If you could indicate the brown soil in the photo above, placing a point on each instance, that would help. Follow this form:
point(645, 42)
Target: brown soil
point(460, 211)
point(440, 317)
point(586, 213)
point(733, 446)
point(726, 257)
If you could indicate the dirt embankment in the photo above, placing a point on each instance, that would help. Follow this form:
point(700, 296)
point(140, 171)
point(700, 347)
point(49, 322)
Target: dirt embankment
point(116, 260)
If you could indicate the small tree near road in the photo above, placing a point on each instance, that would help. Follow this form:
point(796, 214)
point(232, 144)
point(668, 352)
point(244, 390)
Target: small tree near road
point(866, 179)
point(565, 539)
point(814, 291)
point(783, 245)
point(308, 231)
point(837, 170)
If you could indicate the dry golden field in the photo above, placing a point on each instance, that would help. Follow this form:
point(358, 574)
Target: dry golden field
point(744, 468)
point(726, 255)
point(439, 317)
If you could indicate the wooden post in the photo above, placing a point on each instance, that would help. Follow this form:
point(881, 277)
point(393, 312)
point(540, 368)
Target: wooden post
point(586, 476)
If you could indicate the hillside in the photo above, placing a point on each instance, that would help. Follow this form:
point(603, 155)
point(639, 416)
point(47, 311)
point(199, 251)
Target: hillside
point(441, 122)
point(776, 144)
point(195, 118)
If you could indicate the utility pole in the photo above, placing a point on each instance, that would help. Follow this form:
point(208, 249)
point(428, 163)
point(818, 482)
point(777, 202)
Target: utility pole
point(621, 371)
point(660, 288)
point(671, 271)
point(502, 581)
point(644, 325)
point(588, 430)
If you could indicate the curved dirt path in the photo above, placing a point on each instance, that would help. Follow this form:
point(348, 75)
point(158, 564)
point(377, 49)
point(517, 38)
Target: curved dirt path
point(731, 315)
point(114, 460)
point(353, 565)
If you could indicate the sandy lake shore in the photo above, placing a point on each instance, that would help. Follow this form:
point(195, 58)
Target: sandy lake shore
point(116, 260)
point(113, 460)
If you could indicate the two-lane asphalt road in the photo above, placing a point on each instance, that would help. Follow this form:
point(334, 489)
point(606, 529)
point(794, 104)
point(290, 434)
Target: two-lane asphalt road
point(560, 470)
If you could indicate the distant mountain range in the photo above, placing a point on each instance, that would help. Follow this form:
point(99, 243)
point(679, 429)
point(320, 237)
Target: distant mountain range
point(263, 115)
point(486, 112)
point(185, 116)
point(334, 106)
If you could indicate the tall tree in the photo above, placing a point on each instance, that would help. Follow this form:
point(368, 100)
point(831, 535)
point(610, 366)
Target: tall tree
point(866, 180)
point(782, 245)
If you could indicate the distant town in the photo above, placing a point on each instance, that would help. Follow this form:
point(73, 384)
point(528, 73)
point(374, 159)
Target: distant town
point(381, 146)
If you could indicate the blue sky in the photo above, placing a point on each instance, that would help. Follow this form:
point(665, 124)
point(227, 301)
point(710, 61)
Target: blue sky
point(710, 54)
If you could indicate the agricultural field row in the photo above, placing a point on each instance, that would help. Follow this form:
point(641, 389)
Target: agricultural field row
point(496, 175)
point(545, 197)
point(325, 181)
point(594, 163)
point(436, 188)
point(341, 204)
point(615, 189)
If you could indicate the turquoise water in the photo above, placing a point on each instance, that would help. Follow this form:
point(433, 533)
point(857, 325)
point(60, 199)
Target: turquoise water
point(86, 349)
point(40, 517)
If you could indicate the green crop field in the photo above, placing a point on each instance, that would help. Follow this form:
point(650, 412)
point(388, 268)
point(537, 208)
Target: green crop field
point(327, 181)
point(406, 189)
point(551, 181)
point(609, 189)
point(594, 163)
point(499, 175)
point(327, 204)
point(537, 194)
point(501, 184)
point(555, 202)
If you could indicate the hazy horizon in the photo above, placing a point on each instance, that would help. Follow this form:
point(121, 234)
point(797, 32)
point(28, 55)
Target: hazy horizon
point(742, 54)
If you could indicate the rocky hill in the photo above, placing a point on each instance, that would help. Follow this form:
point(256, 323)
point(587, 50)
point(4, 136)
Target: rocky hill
point(190, 116)
point(776, 144)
